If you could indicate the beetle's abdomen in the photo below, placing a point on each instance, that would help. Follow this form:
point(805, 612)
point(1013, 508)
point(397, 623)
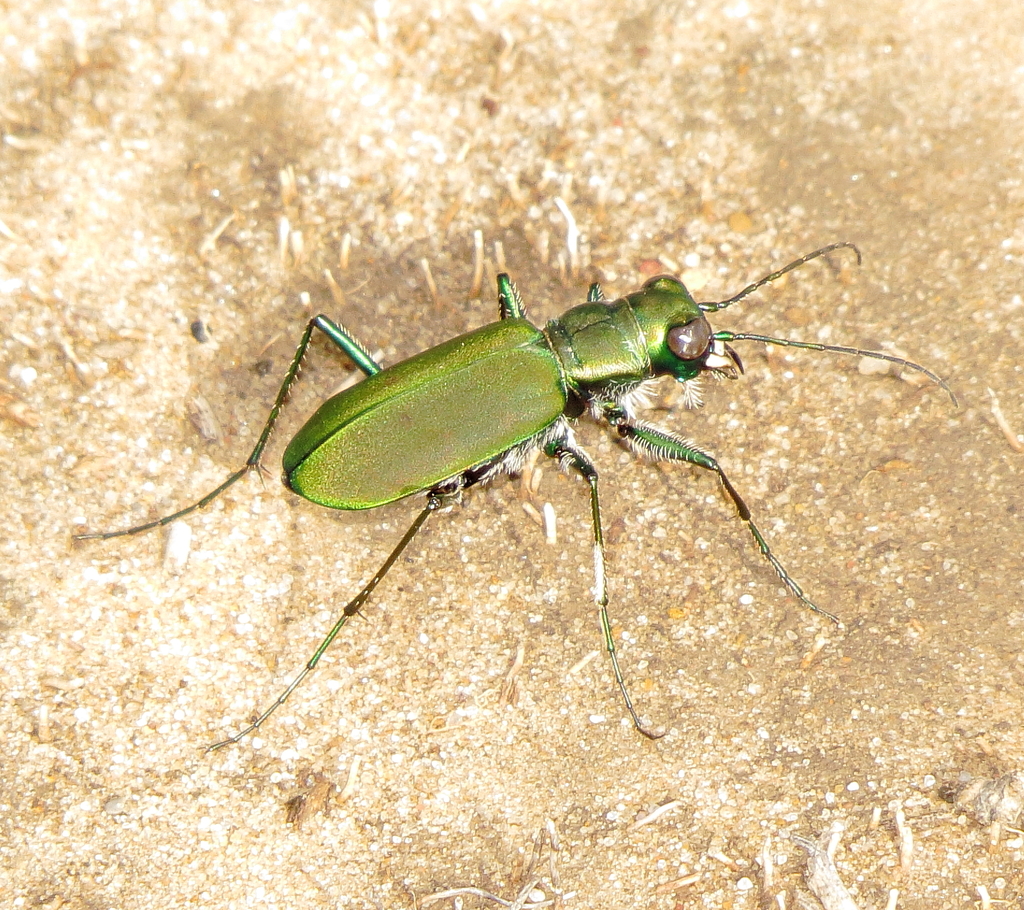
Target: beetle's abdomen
point(427, 418)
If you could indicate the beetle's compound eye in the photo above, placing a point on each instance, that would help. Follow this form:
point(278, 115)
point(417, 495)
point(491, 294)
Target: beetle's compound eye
point(690, 341)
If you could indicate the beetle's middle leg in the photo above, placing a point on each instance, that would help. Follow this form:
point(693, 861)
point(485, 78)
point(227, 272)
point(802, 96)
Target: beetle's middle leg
point(336, 333)
point(510, 302)
point(571, 455)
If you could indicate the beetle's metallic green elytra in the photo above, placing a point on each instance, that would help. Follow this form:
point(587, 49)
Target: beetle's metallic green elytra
point(428, 418)
point(476, 406)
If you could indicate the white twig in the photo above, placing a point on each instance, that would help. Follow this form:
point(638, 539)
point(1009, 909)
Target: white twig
point(655, 814)
point(906, 840)
point(986, 900)
point(1012, 438)
point(821, 874)
point(572, 237)
point(478, 264)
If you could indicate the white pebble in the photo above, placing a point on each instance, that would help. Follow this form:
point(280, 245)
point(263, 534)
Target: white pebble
point(177, 548)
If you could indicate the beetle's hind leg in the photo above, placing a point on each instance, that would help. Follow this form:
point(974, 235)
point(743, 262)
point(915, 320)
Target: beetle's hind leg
point(337, 334)
point(435, 500)
point(565, 449)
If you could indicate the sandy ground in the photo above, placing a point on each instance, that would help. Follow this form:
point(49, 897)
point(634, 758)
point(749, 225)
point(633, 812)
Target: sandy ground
point(141, 191)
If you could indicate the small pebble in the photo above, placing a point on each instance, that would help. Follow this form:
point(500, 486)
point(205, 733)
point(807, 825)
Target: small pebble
point(178, 547)
point(741, 223)
point(116, 805)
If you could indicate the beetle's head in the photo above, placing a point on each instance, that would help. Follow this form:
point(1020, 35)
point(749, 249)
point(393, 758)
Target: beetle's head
point(680, 341)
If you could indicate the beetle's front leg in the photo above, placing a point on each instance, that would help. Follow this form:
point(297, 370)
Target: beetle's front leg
point(570, 455)
point(663, 446)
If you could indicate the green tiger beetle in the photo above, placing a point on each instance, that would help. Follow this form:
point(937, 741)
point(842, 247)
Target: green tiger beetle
point(477, 406)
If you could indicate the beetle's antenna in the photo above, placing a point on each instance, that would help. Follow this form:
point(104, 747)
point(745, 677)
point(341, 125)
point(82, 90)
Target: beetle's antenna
point(714, 307)
point(841, 349)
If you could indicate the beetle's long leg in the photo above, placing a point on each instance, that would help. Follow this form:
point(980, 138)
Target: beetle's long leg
point(434, 502)
point(571, 455)
point(664, 446)
point(344, 340)
point(839, 349)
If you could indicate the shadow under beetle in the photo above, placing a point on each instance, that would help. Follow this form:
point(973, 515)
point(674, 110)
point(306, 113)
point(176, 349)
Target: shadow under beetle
point(478, 405)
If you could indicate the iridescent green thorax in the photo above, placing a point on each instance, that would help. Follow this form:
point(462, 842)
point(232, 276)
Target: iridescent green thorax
point(612, 344)
point(599, 344)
